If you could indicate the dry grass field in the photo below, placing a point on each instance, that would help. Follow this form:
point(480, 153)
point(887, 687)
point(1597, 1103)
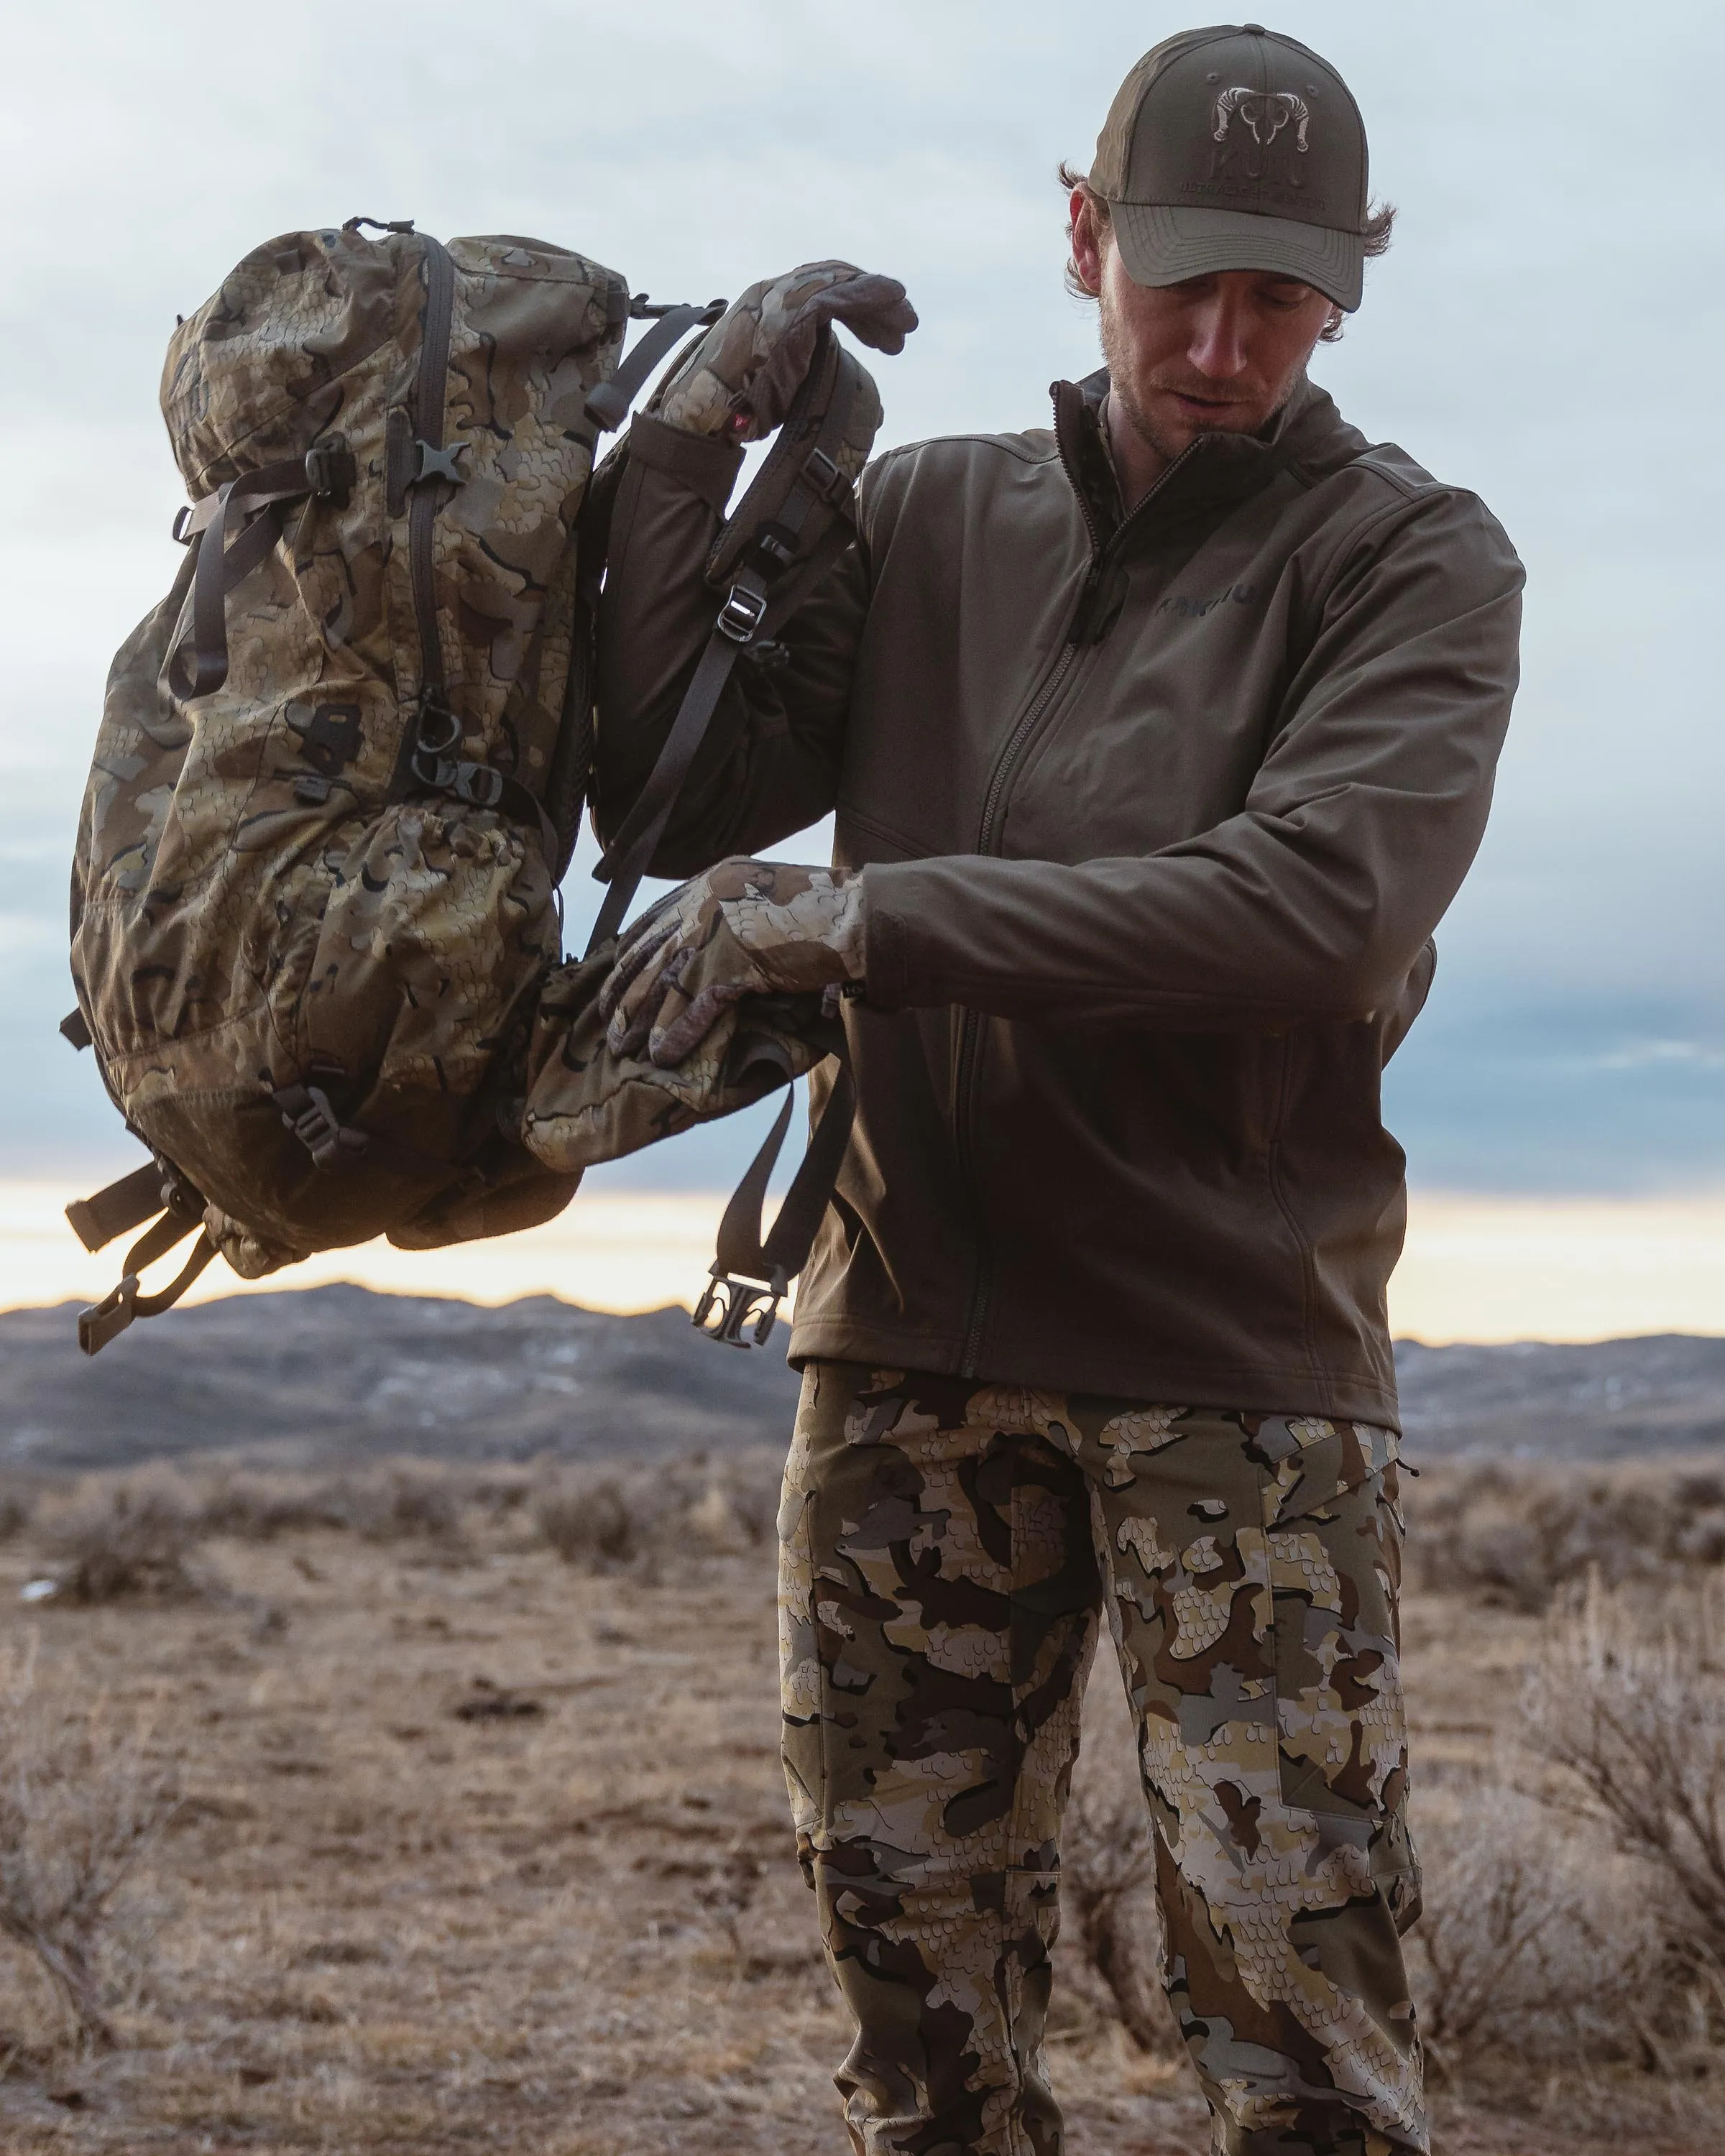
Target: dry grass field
point(443, 1838)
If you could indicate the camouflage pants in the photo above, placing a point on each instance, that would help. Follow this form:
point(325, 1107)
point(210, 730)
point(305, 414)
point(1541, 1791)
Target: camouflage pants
point(945, 1551)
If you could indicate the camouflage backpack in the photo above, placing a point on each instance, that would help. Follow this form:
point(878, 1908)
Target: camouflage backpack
point(342, 766)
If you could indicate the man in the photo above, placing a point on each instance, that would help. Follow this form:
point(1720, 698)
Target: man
point(1159, 743)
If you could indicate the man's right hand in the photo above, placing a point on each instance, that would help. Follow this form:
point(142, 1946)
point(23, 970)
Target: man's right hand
point(739, 381)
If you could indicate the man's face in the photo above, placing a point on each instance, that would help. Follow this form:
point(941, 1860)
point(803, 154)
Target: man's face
point(1219, 354)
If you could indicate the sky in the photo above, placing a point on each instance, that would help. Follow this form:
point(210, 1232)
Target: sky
point(1546, 329)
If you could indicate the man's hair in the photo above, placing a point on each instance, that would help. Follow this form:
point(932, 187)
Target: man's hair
point(1380, 223)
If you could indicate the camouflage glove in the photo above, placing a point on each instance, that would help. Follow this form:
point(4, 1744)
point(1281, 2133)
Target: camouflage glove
point(739, 380)
point(745, 928)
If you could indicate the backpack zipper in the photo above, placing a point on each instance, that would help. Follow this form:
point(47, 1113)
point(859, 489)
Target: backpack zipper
point(968, 1071)
point(428, 395)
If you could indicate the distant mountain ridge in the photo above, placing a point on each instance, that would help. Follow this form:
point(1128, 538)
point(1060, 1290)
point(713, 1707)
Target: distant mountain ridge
point(318, 1375)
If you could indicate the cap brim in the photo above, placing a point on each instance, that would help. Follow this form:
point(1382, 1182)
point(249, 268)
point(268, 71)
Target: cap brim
point(1161, 244)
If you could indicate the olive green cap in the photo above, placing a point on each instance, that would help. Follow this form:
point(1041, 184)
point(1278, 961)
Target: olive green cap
point(1234, 148)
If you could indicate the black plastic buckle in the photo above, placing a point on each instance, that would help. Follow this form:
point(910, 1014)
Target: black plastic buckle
point(106, 1320)
point(319, 1129)
point(477, 783)
point(330, 736)
point(641, 309)
point(436, 773)
point(331, 469)
point(742, 614)
point(182, 517)
point(729, 1307)
point(439, 464)
point(438, 730)
point(824, 476)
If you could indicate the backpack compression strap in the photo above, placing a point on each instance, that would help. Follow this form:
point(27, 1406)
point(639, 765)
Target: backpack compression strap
point(125, 1204)
point(327, 468)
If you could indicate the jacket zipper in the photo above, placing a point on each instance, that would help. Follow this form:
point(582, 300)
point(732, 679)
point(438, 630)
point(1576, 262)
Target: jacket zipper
point(1006, 767)
point(429, 393)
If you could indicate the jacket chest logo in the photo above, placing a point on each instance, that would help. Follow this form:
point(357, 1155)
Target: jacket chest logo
point(1188, 609)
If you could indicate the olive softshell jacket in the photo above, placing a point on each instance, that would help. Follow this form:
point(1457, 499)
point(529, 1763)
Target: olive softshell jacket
point(1157, 813)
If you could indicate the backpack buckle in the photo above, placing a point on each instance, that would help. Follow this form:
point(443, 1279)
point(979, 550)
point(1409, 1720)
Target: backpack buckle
point(440, 464)
point(306, 1111)
point(742, 613)
point(106, 1320)
point(331, 469)
point(439, 730)
point(477, 783)
point(330, 736)
point(729, 1307)
point(824, 476)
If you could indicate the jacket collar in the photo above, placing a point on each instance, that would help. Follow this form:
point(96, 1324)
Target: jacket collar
point(1217, 470)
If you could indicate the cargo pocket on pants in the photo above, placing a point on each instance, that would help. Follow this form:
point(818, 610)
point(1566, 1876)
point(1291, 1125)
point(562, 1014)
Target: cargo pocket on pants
point(1335, 1539)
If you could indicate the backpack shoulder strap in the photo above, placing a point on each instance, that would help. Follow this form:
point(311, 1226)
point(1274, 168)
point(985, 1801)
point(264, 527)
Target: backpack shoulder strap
point(792, 525)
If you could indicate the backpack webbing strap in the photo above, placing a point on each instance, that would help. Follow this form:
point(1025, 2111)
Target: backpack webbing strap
point(96, 1221)
point(109, 1318)
point(733, 1309)
point(327, 468)
point(811, 531)
point(156, 1188)
point(608, 405)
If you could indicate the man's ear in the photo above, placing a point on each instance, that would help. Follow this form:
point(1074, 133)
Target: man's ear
point(1087, 243)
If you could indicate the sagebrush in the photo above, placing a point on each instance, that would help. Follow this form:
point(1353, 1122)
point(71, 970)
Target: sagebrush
point(80, 1803)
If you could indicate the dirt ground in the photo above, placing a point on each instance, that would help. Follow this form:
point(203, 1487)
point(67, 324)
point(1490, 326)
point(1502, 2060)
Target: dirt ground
point(480, 1852)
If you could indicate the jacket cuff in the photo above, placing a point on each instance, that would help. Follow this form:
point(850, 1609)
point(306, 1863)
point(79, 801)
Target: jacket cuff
point(886, 944)
point(702, 463)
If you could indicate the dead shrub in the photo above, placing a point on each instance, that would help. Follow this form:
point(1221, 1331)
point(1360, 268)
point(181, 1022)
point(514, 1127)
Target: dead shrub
point(1516, 1534)
point(594, 1521)
point(1631, 1708)
point(259, 1508)
point(752, 1483)
point(18, 1508)
point(1531, 1944)
point(114, 1540)
point(79, 1803)
point(406, 1504)
point(402, 1502)
point(606, 1520)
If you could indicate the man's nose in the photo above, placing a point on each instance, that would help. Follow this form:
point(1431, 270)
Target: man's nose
point(1217, 345)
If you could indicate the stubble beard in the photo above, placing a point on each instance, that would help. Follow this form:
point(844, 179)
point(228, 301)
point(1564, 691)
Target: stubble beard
point(1123, 393)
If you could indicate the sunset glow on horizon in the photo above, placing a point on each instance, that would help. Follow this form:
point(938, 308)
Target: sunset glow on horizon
point(1475, 1268)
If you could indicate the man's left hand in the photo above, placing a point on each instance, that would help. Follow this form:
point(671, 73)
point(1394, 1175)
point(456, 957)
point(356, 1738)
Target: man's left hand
point(745, 928)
